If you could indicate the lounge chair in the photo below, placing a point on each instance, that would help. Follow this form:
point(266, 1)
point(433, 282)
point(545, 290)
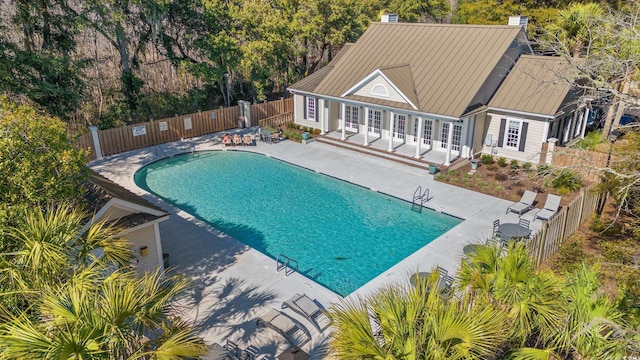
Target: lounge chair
point(237, 140)
point(226, 140)
point(304, 306)
point(247, 140)
point(282, 324)
point(550, 208)
point(525, 204)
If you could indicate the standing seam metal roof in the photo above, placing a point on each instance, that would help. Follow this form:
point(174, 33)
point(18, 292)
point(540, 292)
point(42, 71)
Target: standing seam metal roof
point(448, 63)
point(536, 84)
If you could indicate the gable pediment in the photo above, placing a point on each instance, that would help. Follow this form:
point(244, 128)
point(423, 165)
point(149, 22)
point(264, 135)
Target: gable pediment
point(391, 83)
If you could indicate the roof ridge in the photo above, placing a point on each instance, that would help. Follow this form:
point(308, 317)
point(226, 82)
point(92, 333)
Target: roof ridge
point(488, 26)
point(386, 67)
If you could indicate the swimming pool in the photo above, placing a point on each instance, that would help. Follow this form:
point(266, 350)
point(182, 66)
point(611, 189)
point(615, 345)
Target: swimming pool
point(342, 235)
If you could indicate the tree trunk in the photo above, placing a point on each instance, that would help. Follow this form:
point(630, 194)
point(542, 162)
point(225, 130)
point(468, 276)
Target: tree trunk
point(621, 104)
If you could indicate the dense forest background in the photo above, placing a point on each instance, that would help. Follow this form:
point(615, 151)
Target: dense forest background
point(113, 62)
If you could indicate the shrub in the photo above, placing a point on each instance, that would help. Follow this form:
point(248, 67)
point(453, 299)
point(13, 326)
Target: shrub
point(293, 135)
point(502, 161)
point(501, 176)
point(543, 169)
point(291, 125)
point(316, 131)
point(527, 166)
point(591, 140)
point(602, 226)
point(566, 181)
point(492, 168)
point(569, 255)
point(514, 164)
point(486, 159)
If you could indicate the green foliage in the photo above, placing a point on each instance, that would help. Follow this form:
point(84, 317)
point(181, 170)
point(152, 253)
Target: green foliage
point(569, 255)
point(565, 181)
point(293, 135)
point(543, 170)
point(527, 166)
point(502, 161)
point(37, 159)
point(602, 226)
point(629, 294)
point(591, 140)
point(486, 159)
point(514, 164)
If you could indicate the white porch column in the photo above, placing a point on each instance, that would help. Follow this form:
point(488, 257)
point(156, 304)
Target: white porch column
point(366, 126)
point(322, 115)
point(419, 139)
point(96, 141)
point(344, 121)
point(391, 126)
point(447, 158)
point(584, 121)
point(551, 145)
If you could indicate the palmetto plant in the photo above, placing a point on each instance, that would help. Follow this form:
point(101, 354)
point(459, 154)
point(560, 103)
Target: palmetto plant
point(402, 322)
point(71, 304)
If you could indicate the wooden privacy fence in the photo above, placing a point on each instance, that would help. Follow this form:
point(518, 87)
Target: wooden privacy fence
point(277, 120)
point(545, 242)
point(588, 163)
point(150, 133)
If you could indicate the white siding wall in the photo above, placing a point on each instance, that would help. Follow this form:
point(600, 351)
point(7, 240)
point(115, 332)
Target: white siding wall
point(144, 237)
point(334, 114)
point(298, 107)
point(366, 89)
point(533, 145)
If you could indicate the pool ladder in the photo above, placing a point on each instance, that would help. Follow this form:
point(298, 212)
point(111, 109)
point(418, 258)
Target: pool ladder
point(419, 198)
point(288, 264)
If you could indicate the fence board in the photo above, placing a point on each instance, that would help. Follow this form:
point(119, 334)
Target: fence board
point(546, 242)
point(589, 163)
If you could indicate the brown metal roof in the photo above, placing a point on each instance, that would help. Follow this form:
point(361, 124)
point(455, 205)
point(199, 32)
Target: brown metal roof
point(309, 83)
point(536, 84)
point(101, 190)
point(400, 76)
point(448, 63)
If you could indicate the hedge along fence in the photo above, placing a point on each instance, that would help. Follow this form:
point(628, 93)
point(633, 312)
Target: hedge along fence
point(150, 133)
point(546, 242)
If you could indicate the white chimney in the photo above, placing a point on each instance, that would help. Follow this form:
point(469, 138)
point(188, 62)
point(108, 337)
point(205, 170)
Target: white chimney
point(518, 21)
point(389, 18)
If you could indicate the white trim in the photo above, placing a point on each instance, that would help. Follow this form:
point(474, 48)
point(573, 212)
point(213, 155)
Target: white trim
point(370, 77)
point(506, 133)
point(380, 90)
point(384, 107)
point(523, 113)
point(156, 230)
point(142, 226)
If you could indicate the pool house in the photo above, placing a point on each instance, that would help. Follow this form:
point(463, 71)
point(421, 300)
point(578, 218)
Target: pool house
point(429, 91)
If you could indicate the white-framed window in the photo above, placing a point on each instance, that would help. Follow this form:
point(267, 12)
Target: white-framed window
point(456, 137)
point(512, 134)
point(400, 122)
point(427, 132)
point(444, 135)
point(579, 121)
point(310, 109)
point(351, 116)
point(375, 119)
point(380, 90)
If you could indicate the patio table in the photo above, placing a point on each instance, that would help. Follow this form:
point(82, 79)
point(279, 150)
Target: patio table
point(513, 231)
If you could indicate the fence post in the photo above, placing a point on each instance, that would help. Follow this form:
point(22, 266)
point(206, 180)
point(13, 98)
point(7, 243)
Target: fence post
point(96, 141)
point(543, 242)
point(552, 145)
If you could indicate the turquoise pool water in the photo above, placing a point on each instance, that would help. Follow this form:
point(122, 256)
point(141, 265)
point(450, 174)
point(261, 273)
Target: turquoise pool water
point(342, 235)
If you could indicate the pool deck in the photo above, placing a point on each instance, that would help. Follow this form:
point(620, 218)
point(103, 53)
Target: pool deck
point(234, 284)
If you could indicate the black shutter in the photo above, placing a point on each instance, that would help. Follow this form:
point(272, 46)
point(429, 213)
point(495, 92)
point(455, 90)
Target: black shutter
point(523, 136)
point(503, 125)
point(304, 107)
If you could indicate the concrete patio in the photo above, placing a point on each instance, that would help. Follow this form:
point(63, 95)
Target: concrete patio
point(234, 284)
